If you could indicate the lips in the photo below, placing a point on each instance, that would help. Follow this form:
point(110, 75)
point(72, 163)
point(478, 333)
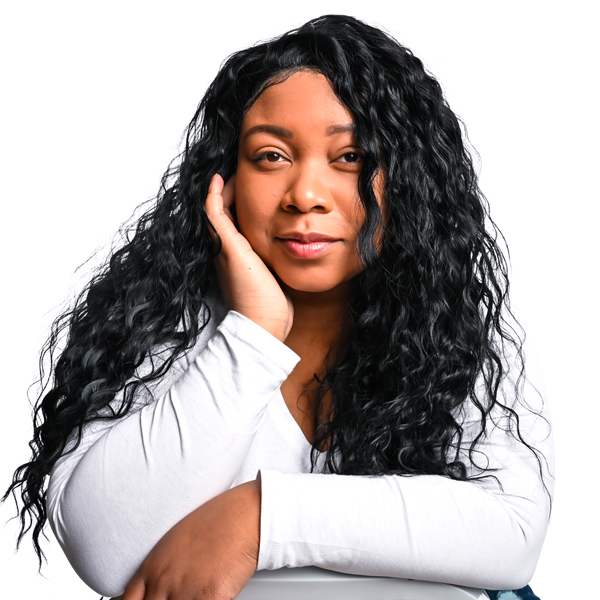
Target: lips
point(307, 245)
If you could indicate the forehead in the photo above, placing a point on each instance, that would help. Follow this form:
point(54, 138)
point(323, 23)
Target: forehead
point(303, 99)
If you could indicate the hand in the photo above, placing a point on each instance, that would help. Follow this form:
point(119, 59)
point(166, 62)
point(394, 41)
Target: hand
point(246, 283)
point(209, 555)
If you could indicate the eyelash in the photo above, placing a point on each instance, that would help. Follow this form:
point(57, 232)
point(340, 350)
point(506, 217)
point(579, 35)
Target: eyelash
point(264, 156)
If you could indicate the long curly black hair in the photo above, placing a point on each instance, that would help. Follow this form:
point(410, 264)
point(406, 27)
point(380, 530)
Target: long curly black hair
point(429, 311)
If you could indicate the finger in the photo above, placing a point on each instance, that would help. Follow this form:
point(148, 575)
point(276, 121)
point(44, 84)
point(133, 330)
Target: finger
point(216, 184)
point(215, 210)
point(228, 193)
point(214, 199)
point(135, 590)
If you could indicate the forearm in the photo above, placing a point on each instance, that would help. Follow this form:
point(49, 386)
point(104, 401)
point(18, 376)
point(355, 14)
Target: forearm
point(424, 527)
point(485, 533)
point(155, 467)
point(210, 553)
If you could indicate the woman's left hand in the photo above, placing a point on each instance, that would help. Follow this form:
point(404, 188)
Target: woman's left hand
point(209, 555)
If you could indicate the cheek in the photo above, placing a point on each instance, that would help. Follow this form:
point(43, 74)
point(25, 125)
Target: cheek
point(248, 218)
point(257, 200)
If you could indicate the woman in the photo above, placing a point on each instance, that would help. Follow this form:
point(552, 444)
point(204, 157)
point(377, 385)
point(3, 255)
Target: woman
point(306, 365)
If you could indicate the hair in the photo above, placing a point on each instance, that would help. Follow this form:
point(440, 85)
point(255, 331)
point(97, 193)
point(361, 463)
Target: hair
point(429, 311)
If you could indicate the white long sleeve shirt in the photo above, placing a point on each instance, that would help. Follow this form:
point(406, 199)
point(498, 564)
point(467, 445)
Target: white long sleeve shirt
point(218, 417)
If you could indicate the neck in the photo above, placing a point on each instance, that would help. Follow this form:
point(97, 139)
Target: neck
point(319, 319)
point(319, 323)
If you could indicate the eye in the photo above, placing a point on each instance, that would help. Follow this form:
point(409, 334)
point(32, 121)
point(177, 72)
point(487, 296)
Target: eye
point(351, 157)
point(270, 157)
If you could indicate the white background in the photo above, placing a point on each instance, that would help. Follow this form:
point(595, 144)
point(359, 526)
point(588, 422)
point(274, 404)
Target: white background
point(95, 98)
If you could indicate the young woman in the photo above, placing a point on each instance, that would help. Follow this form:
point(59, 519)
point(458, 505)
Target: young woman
point(302, 355)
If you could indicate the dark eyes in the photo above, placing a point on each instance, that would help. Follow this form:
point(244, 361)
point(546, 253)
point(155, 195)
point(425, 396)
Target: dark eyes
point(348, 157)
point(272, 156)
point(351, 157)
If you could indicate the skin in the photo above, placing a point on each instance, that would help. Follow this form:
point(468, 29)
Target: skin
point(297, 173)
point(298, 169)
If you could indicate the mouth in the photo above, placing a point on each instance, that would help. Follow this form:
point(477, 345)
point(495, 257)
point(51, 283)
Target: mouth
point(307, 245)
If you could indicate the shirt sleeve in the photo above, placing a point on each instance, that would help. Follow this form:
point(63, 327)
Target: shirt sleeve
point(132, 479)
point(483, 533)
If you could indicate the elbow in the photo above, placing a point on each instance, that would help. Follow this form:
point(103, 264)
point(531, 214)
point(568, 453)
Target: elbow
point(105, 584)
point(106, 567)
point(101, 579)
point(514, 560)
point(107, 573)
point(515, 573)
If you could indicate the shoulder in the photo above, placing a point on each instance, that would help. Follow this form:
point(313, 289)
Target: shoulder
point(210, 318)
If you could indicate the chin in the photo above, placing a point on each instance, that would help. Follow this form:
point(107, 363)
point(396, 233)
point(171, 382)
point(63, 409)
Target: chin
point(312, 288)
point(312, 282)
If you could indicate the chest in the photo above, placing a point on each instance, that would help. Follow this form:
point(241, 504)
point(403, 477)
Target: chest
point(299, 391)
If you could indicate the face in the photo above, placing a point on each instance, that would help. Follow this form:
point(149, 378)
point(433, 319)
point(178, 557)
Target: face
point(296, 189)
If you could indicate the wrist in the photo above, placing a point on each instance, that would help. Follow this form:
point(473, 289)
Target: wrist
point(250, 503)
point(277, 329)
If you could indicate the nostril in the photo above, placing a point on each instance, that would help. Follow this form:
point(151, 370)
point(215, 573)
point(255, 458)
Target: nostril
point(304, 206)
point(309, 201)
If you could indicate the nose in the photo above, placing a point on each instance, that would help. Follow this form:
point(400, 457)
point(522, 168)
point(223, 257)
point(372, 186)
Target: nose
point(308, 191)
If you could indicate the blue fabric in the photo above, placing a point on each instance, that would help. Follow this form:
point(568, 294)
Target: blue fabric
point(525, 593)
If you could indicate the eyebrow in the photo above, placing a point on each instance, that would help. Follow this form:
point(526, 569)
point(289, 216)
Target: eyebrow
point(345, 128)
point(286, 133)
point(274, 129)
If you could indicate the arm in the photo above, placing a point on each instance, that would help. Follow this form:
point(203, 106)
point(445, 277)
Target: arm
point(426, 527)
point(211, 553)
point(129, 483)
point(151, 469)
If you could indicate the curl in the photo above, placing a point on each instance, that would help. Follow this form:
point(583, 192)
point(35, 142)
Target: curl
point(430, 311)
